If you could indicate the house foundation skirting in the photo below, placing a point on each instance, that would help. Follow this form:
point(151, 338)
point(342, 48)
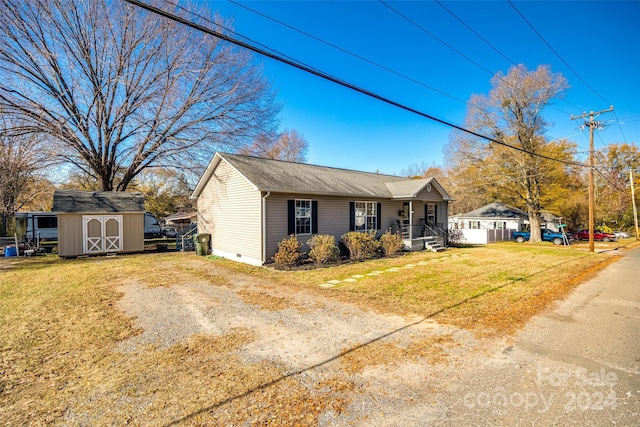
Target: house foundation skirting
point(237, 257)
point(415, 244)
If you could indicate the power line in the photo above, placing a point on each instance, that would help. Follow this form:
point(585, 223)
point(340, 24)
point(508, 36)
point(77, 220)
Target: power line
point(555, 52)
point(336, 80)
point(567, 64)
point(615, 186)
point(498, 51)
point(348, 52)
point(624, 138)
point(383, 67)
point(477, 64)
point(230, 30)
point(429, 33)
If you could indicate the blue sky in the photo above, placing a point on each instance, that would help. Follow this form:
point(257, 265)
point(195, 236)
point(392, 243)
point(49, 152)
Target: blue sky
point(597, 46)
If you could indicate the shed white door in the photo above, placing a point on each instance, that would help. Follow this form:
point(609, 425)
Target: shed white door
point(101, 233)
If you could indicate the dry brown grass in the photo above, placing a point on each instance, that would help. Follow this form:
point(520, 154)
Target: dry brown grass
point(431, 350)
point(264, 301)
point(490, 290)
point(60, 330)
point(60, 364)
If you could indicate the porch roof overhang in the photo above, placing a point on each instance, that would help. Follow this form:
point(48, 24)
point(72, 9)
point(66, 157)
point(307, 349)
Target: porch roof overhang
point(411, 189)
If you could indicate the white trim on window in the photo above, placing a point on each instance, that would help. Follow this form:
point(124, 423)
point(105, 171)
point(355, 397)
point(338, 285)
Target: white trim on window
point(303, 216)
point(366, 215)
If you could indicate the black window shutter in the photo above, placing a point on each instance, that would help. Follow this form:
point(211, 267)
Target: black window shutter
point(291, 209)
point(379, 216)
point(314, 217)
point(352, 216)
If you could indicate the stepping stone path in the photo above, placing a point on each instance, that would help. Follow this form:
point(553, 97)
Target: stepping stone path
point(332, 283)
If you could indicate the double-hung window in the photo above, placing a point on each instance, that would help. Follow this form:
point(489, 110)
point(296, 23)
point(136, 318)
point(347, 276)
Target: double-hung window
point(366, 216)
point(303, 216)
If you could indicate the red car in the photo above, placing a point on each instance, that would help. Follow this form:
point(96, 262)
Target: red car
point(597, 235)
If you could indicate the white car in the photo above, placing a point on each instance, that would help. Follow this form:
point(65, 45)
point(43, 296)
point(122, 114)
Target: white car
point(620, 234)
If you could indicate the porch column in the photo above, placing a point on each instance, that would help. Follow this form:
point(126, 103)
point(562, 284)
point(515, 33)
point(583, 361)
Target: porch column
point(411, 219)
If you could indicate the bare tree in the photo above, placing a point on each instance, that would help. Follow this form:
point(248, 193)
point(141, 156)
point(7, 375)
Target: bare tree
point(512, 114)
point(23, 159)
point(289, 145)
point(120, 90)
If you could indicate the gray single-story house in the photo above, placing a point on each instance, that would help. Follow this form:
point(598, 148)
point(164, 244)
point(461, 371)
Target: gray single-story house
point(250, 204)
point(99, 222)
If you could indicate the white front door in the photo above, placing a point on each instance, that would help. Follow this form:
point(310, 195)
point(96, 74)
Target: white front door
point(101, 233)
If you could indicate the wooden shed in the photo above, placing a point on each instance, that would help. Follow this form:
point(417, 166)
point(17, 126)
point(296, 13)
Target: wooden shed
point(99, 222)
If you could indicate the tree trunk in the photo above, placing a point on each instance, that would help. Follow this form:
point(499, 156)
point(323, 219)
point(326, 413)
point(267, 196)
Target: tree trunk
point(534, 222)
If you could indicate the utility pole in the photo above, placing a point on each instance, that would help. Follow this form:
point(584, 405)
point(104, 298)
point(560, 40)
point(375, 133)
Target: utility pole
point(633, 203)
point(592, 125)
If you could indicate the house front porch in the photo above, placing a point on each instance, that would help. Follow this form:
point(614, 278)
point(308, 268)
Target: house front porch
point(423, 236)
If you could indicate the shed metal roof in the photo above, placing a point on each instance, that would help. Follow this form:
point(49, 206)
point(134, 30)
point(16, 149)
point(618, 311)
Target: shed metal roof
point(74, 201)
point(302, 178)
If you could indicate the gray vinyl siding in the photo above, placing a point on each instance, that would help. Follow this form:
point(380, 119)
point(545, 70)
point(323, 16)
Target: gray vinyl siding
point(333, 217)
point(429, 196)
point(390, 209)
point(229, 208)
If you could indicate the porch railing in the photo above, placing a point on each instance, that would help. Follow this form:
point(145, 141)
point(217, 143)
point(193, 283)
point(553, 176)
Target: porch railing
point(422, 230)
point(184, 240)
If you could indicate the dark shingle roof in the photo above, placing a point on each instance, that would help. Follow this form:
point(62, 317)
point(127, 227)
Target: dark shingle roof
point(496, 210)
point(302, 178)
point(73, 201)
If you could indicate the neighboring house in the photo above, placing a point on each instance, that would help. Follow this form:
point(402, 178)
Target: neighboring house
point(101, 222)
point(550, 221)
point(250, 204)
point(490, 223)
point(499, 216)
point(495, 222)
point(181, 220)
point(494, 216)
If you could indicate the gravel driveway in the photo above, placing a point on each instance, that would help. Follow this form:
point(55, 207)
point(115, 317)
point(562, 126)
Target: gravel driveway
point(406, 371)
point(397, 363)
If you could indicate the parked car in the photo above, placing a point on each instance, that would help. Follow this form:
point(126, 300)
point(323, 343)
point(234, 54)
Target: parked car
point(547, 236)
point(621, 234)
point(597, 235)
point(170, 232)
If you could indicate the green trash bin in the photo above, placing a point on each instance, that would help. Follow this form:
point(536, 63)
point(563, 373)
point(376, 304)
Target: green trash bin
point(202, 243)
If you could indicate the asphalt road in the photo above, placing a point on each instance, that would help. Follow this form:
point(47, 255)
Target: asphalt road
point(577, 364)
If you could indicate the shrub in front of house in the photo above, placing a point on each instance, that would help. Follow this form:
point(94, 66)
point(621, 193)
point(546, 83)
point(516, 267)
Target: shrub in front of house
point(391, 243)
point(455, 237)
point(288, 253)
point(361, 245)
point(323, 248)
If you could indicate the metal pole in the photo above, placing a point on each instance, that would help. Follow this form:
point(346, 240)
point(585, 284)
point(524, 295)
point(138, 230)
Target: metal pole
point(633, 203)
